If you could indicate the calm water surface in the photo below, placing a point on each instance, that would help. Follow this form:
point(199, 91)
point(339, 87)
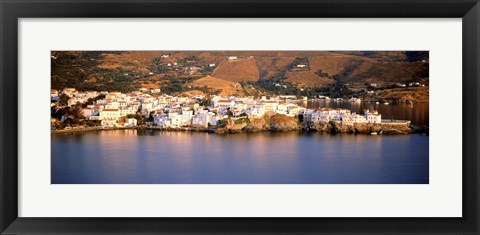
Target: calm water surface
point(156, 157)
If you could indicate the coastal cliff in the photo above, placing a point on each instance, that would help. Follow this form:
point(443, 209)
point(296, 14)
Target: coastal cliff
point(270, 122)
point(281, 123)
point(360, 128)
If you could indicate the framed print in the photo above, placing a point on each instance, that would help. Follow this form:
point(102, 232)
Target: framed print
point(239, 117)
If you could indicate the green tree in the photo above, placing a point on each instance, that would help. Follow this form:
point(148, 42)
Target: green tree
point(206, 102)
point(78, 111)
point(229, 113)
point(150, 118)
point(64, 99)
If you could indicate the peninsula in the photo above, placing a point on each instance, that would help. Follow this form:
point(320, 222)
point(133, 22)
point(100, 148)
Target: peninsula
point(73, 110)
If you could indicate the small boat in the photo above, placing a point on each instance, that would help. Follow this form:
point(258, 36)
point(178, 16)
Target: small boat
point(386, 103)
point(377, 102)
point(373, 133)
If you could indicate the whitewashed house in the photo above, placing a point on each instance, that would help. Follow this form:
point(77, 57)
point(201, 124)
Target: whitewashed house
point(102, 102)
point(147, 106)
point(128, 110)
point(374, 118)
point(204, 119)
point(53, 93)
point(110, 114)
point(130, 122)
point(69, 91)
point(294, 110)
point(224, 103)
point(112, 105)
point(109, 123)
point(255, 111)
point(175, 119)
point(270, 106)
point(87, 112)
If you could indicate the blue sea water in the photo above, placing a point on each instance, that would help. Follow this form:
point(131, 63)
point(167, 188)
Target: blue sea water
point(158, 157)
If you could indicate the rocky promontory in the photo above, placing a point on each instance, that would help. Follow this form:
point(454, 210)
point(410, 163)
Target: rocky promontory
point(270, 122)
point(282, 123)
point(361, 128)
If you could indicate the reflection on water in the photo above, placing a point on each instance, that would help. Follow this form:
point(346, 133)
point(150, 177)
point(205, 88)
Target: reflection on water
point(156, 157)
point(417, 113)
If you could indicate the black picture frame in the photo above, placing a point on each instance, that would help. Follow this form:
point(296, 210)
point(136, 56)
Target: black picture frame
point(11, 11)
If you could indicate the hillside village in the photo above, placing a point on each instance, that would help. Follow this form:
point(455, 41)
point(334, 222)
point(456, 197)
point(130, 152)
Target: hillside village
point(77, 110)
point(378, 76)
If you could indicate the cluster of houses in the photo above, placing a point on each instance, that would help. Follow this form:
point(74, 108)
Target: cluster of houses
point(173, 112)
point(345, 116)
point(411, 84)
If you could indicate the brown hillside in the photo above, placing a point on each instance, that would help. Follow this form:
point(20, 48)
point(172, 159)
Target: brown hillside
point(129, 60)
point(130, 70)
point(241, 70)
point(377, 55)
point(273, 67)
point(388, 73)
point(415, 94)
point(331, 64)
point(226, 87)
point(304, 78)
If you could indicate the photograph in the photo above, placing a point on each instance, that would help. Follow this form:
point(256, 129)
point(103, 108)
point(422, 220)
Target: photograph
point(239, 117)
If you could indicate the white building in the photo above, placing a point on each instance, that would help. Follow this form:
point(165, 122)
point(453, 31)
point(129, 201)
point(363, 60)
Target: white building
point(255, 111)
point(147, 106)
point(69, 91)
point(128, 110)
point(53, 93)
point(224, 103)
point(110, 114)
point(282, 109)
point(204, 119)
point(130, 122)
point(372, 116)
point(270, 106)
point(109, 123)
point(352, 118)
point(73, 101)
point(87, 112)
point(175, 119)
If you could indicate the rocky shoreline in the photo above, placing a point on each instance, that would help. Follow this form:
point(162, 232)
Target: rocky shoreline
point(281, 123)
point(363, 128)
point(326, 127)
